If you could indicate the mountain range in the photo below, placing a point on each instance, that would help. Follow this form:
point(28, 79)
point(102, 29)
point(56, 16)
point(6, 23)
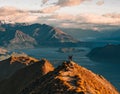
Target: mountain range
point(110, 35)
point(23, 35)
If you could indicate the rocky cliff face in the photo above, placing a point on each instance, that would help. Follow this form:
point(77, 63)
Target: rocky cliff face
point(70, 78)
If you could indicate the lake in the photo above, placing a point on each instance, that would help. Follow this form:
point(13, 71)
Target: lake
point(111, 71)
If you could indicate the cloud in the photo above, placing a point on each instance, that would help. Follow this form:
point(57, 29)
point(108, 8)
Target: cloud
point(15, 15)
point(60, 3)
point(100, 3)
point(64, 16)
point(83, 21)
point(66, 20)
point(111, 19)
point(9, 11)
point(50, 9)
point(70, 2)
point(112, 15)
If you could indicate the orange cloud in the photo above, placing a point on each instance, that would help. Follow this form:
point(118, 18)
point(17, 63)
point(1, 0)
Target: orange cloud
point(70, 2)
point(50, 9)
point(61, 3)
point(14, 15)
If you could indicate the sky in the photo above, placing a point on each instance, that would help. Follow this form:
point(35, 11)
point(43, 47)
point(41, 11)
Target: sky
point(85, 14)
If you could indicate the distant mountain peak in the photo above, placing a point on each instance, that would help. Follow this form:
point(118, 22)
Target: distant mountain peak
point(21, 40)
point(22, 37)
point(62, 36)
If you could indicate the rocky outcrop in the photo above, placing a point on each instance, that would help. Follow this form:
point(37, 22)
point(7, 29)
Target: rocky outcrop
point(3, 51)
point(70, 78)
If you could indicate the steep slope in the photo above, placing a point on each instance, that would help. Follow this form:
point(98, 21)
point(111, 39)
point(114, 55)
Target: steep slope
point(22, 40)
point(24, 76)
point(54, 34)
point(6, 69)
point(14, 63)
point(70, 78)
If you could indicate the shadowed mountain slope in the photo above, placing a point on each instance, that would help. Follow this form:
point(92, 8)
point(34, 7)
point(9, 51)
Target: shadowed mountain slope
point(24, 76)
point(109, 53)
point(14, 63)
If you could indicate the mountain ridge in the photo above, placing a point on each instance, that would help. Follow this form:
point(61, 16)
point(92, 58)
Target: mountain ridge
point(33, 35)
point(70, 78)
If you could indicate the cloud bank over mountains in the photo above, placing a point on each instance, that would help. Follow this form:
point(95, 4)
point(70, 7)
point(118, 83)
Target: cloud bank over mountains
point(50, 14)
